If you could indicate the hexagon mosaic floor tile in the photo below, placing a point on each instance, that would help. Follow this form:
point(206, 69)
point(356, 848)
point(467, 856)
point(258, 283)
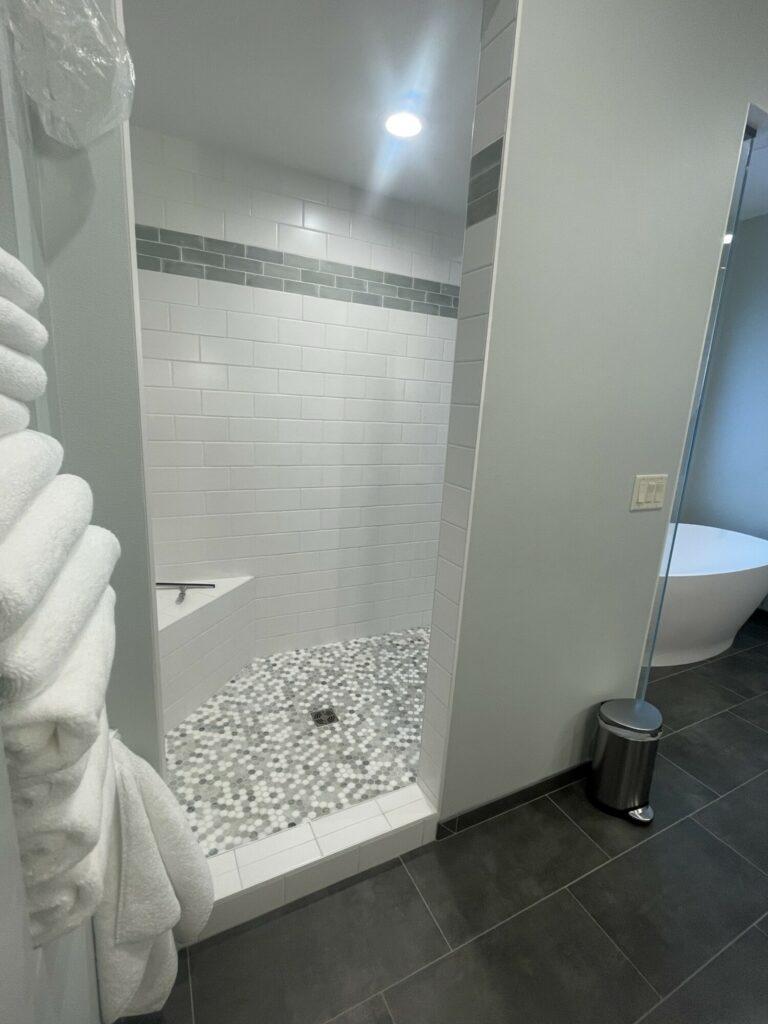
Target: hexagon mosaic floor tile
point(265, 753)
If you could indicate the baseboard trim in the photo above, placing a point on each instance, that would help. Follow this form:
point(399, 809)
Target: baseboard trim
point(451, 826)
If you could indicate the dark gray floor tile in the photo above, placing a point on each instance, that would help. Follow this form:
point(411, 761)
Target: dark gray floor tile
point(733, 989)
point(674, 795)
point(755, 628)
point(479, 877)
point(753, 634)
point(674, 901)
point(663, 671)
point(741, 820)
point(722, 752)
point(373, 1012)
point(688, 697)
point(745, 673)
point(754, 711)
point(762, 924)
point(549, 965)
point(313, 960)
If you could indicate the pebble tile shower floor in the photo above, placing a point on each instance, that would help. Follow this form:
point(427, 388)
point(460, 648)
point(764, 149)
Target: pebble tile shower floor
point(251, 760)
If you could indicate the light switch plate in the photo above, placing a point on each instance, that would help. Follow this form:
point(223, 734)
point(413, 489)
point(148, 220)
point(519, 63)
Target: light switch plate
point(649, 492)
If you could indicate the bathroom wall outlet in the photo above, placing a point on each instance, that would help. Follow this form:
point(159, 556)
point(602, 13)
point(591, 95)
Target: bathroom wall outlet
point(648, 492)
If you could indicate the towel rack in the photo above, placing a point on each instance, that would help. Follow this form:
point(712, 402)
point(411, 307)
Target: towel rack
point(184, 587)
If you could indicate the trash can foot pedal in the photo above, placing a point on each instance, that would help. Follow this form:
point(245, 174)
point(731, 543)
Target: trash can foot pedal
point(642, 815)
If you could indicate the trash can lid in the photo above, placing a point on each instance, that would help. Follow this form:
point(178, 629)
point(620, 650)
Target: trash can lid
point(637, 715)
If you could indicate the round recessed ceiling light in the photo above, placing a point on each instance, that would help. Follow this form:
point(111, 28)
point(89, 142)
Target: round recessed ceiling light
point(403, 124)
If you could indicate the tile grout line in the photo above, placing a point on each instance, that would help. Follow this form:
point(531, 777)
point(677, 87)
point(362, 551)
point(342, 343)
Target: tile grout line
point(690, 775)
point(693, 974)
point(578, 826)
point(563, 888)
point(693, 666)
point(508, 810)
point(424, 901)
point(715, 797)
point(686, 817)
point(753, 724)
point(488, 43)
point(356, 1006)
point(294, 273)
point(615, 944)
point(706, 718)
point(191, 985)
point(733, 788)
point(732, 849)
point(388, 1008)
point(392, 984)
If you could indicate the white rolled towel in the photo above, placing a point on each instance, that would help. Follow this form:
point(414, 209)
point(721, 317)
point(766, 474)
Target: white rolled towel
point(30, 657)
point(53, 730)
point(58, 906)
point(14, 416)
point(57, 834)
point(28, 461)
point(21, 331)
point(33, 791)
point(34, 550)
point(21, 376)
point(18, 285)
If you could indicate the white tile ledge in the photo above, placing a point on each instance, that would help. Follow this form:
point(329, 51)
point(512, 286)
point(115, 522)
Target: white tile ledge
point(271, 872)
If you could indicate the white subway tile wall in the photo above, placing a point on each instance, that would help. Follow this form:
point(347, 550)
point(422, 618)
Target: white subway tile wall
point(196, 189)
point(474, 307)
point(297, 439)
point(306, 460)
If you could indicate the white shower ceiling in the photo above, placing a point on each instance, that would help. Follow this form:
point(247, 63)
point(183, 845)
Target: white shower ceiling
point(308, 83)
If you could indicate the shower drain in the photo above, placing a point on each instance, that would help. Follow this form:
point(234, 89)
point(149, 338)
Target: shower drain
point(324, 716)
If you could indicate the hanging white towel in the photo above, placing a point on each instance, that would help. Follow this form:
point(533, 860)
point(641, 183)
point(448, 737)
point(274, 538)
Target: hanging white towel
point(35, 549)
point(157, 887)
point(53, 730)
point(30, 793)
point(58, 833)
point(28, 461)
point(21, 331)
point(21, 376)
point(162, 964)
point(17, 284)
point(30, 657)
point(14, 416)
point(66, 901)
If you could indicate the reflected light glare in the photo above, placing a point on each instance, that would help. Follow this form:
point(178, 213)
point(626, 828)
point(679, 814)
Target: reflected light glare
point(403, 124)
point(727, 239)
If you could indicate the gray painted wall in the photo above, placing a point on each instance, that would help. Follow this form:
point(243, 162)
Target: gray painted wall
point(728, 481)
point(56, 985)
point(623, 139)
point(88, 248)
point(66, 215)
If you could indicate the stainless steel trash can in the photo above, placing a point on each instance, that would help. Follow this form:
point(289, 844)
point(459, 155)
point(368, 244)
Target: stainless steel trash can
point(628, 734)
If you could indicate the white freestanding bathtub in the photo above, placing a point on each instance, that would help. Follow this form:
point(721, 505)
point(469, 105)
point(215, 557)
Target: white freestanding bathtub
point(717, 578)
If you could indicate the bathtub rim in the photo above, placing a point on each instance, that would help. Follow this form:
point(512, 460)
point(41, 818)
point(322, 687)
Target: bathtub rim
point(726, 571)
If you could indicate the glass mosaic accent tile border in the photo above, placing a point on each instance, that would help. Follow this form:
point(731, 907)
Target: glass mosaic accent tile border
point(484, 176)
point(251, 761)
point(176, 252)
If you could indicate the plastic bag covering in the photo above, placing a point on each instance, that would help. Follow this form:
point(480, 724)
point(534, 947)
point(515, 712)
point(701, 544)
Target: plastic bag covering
point(74, 64)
